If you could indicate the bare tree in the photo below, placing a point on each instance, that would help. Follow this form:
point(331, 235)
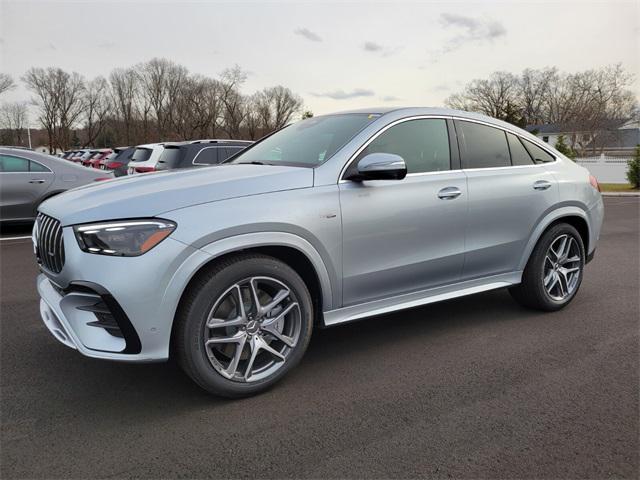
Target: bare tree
point(496, 96)
point(6, 82)
point(161, 80)
point(234, 103)
point(124, 90)
point(13, 117)
point(275, 106)
point(97, 106)
point(42, 83)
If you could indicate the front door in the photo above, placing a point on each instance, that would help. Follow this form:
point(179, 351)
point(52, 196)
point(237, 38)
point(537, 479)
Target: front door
point(402, 236)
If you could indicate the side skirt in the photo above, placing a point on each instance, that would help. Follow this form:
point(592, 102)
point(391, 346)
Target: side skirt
point(423, 297)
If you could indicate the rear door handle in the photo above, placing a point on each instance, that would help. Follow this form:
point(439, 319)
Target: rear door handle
point(37, 181)
point(541, 185)
point(449, 193)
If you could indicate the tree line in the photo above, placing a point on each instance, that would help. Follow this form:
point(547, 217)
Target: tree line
point(588, 105)
point(154, 101)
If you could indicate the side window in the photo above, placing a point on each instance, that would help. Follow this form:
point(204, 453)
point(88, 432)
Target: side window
point(483, 146)
point(230, 152)
point(37, 167)
point(11, 164)
point(539, 155)
point(207, 156)
point(423, 144)
point(519, 154)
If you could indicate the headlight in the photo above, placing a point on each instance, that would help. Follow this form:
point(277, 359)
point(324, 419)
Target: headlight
point(126, 238)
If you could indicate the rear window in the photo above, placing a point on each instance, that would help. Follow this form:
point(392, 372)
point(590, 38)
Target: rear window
point(483, 146)
point(519, 155)
point(141, 155)
point(170, 158)
point(539, 155)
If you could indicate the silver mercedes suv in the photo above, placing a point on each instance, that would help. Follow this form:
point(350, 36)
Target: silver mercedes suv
point(332, 219)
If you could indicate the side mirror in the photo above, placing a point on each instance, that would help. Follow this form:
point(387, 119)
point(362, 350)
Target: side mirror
point(379, 166)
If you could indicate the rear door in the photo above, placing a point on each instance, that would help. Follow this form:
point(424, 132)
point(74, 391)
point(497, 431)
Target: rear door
point(22, 184)
point(508, 194)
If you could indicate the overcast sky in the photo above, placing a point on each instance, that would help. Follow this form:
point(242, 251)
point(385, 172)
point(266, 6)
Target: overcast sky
point(336, 55)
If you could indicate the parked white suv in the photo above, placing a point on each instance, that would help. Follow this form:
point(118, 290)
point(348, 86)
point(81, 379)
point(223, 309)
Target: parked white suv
point(145, 158)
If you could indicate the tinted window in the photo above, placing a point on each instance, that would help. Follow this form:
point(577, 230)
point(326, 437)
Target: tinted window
point(228, 152)
point(423, 144)
point(36, 167)
point(169, 158)
point(483, 146)
point(9, 163)
point(308, 142)
point(141, 155)
point(207, 156)
point(538, 154)
point(519, 155)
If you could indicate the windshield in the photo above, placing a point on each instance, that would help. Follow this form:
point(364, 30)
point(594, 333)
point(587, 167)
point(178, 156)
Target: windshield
point(307, 143)
point(141, 155)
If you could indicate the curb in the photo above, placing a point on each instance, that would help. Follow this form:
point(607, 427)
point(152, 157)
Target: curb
point(620, 194)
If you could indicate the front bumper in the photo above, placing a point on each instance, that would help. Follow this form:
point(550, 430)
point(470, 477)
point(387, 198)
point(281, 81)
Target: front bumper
point(117, 308)
point(86, 317)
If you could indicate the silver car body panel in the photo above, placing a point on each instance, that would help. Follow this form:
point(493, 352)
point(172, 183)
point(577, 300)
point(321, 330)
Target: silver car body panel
point(376, 246)
point(22, 192)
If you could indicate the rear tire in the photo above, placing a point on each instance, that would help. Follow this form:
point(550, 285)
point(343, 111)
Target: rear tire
point(232, 346)
point(553, 274)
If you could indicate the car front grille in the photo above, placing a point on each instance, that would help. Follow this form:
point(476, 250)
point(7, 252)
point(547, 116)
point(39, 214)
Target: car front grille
point(49, 243)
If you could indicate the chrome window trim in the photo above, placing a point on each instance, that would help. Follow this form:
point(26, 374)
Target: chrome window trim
point(445, 117)
point(193, 162)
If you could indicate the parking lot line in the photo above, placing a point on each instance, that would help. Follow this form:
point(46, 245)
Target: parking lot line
point(15, 238)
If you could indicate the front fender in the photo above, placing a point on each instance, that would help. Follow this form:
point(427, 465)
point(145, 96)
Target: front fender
point(206, 253)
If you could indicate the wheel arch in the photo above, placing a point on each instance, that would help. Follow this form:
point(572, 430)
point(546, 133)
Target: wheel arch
point(290, 249)
point(574, 216)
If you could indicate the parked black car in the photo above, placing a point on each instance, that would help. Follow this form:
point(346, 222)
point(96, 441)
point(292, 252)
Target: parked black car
point(118, 160)
point(198, 153)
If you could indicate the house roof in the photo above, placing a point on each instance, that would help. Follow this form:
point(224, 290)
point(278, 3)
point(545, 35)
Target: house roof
point(544, 128)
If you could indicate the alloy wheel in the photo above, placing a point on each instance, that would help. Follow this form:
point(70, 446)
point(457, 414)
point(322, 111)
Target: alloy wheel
point(252, 329)
point(562, 265)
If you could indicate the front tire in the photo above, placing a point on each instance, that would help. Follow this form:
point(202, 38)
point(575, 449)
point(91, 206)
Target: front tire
point(243, 325)
point(554, 271)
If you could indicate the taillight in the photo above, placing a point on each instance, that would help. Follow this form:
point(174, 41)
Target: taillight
point(101, 179)
point(594, 182)
point(145, 169)
point(114, 165)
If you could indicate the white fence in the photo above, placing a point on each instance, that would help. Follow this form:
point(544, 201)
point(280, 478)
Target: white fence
point(606, 169)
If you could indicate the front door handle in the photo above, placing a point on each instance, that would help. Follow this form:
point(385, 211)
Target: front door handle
point(449, 193)
point(38, 180)
point(541, 185)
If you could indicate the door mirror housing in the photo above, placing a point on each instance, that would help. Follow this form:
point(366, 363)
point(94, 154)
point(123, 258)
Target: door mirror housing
point(379, 166)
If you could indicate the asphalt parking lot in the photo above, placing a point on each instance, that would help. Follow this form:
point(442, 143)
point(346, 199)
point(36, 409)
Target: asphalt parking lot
point(473, 388)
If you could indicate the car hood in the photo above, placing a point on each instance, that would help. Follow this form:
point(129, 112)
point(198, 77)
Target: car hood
point(151, 194)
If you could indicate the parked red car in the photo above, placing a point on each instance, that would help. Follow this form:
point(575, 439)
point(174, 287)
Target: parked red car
point(96, 155)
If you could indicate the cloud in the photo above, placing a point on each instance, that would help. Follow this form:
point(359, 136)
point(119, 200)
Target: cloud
point(442, 87)
point(308, 34)
point(372, 47)
point(390, 98)
point(470, 30)
point(107, 45)
point(342, 95)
